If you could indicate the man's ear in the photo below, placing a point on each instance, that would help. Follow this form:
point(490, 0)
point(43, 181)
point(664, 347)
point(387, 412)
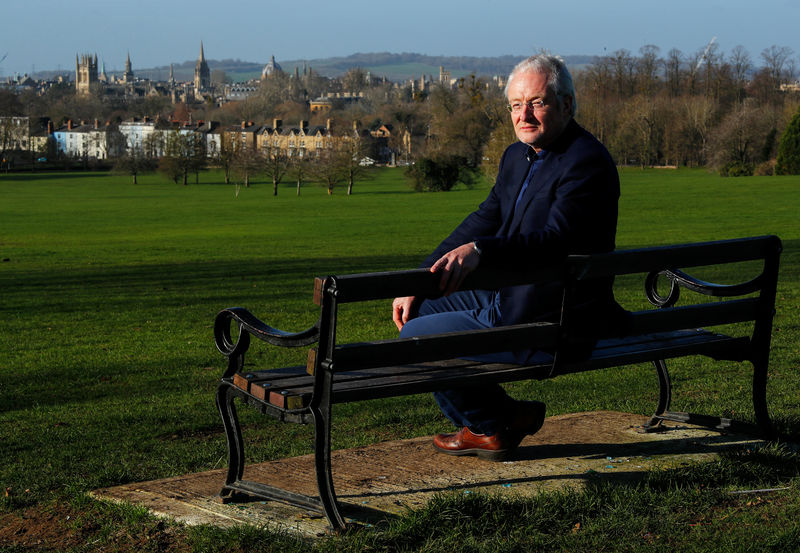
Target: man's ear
point(569, 101)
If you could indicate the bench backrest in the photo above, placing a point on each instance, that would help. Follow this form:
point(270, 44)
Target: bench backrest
point(667, 261)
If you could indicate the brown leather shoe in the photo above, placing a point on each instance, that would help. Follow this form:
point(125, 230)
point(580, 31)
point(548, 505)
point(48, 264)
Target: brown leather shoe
point(464, 442)
point(527, 419)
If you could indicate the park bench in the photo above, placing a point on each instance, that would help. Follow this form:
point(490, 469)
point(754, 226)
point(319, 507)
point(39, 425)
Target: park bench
point(346, 372)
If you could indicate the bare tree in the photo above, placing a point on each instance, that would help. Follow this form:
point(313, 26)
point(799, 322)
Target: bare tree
point(647, 69)
point(739, 139)
point(299, 168)
point(276, 164)
point(245, 163)
point(776, 62)
point(133, 162)
point(741, 65)
point(623, 70)
point(327, 169)
point(673, 66)
point(351, 153)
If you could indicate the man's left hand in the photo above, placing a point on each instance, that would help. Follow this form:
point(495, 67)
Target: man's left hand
point(454, 266)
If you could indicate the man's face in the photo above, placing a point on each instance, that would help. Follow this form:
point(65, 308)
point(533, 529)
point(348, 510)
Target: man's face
point(541, 126)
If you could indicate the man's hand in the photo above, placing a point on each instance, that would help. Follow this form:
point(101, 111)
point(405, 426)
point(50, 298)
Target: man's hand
point(403, 310)
point(454, 266)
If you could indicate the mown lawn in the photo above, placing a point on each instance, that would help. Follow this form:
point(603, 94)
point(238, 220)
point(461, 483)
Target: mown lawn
point(108, 369)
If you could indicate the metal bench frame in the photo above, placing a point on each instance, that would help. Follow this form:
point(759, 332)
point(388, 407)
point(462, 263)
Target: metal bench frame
point(339, 373)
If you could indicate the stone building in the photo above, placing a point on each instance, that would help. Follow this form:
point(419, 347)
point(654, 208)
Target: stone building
point(85, 73)
point(299, 140)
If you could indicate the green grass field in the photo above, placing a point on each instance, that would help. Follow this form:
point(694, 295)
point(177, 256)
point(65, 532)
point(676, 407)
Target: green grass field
point(108, 294)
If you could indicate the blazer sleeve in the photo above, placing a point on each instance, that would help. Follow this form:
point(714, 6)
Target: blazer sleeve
point(485, 220)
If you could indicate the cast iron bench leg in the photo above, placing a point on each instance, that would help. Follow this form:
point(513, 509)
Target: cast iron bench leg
point(322, 464)
point(664, 396)
point(760, 398)
point(233, 434)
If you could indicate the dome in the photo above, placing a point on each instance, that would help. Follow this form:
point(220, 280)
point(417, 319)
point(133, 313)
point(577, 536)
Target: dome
point(270, 68)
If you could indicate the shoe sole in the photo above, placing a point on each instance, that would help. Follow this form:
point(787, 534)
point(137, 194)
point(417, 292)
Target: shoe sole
point(485, 454)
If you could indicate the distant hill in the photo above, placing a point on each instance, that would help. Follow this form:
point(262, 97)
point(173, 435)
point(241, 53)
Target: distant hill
point(395, 67)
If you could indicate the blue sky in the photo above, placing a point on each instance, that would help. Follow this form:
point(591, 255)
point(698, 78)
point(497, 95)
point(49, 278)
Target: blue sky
point(47, 34)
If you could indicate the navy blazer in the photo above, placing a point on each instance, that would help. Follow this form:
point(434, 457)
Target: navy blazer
point(570, 207)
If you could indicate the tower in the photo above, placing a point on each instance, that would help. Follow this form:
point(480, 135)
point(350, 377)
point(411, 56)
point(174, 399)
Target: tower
point(85, 73)
point(127, 77)
point(202, 76)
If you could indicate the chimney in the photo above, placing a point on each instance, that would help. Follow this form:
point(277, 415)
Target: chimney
point(276, 124)
point(49, 127)
point(69, 124)
point(244, 124)
point(328, 125)
point(303, 125)
point(96, 124)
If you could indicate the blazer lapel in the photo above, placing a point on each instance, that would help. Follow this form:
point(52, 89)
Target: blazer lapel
point(520, 172)
point(540, 178)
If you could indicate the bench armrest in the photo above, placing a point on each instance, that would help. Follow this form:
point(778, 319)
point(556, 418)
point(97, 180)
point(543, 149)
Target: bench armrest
point(249, 324)
point(679, 279)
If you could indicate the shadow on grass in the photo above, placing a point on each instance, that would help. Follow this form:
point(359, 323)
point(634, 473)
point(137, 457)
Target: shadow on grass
point(80, 175)
point(105, 314)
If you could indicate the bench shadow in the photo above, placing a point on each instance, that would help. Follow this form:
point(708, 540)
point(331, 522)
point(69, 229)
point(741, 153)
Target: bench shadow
point(583, 451)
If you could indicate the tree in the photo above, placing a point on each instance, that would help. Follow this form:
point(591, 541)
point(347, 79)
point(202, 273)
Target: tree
point(777, 63)
point(673, 66)
point(276, 165)
point(225, 157)
point(180, 156)
point(788, 161)
point(299, 169)
point(502, 135)
point(439, 173)
point(327, 169)
point(737, 142)
point(133, 162)
point(460, 121)
point(647, 69)
point(741, 65)
point(355, 80)
point(350, 156)
point(246, 162)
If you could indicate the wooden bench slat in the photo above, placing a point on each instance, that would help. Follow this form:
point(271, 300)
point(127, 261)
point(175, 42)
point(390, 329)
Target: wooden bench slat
point(294, 392)
point(445, 346)
point(694, 316)
point(672, 257)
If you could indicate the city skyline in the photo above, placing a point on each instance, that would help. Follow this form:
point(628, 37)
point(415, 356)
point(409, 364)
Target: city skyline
point(46, 35)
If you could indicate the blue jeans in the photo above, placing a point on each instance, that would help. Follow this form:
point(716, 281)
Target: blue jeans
point(485, 409)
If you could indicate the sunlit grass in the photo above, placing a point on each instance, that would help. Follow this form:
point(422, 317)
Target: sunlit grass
point(109, 292)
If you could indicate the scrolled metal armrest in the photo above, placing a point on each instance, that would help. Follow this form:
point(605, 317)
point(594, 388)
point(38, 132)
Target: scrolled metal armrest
point(249, 324)
point(679, 279)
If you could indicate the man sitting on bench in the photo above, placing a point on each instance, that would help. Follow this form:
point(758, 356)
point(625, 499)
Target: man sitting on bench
point(556, 194)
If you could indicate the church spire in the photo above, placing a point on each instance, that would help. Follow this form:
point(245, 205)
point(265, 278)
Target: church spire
point(202, 75)
point(127, 77)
